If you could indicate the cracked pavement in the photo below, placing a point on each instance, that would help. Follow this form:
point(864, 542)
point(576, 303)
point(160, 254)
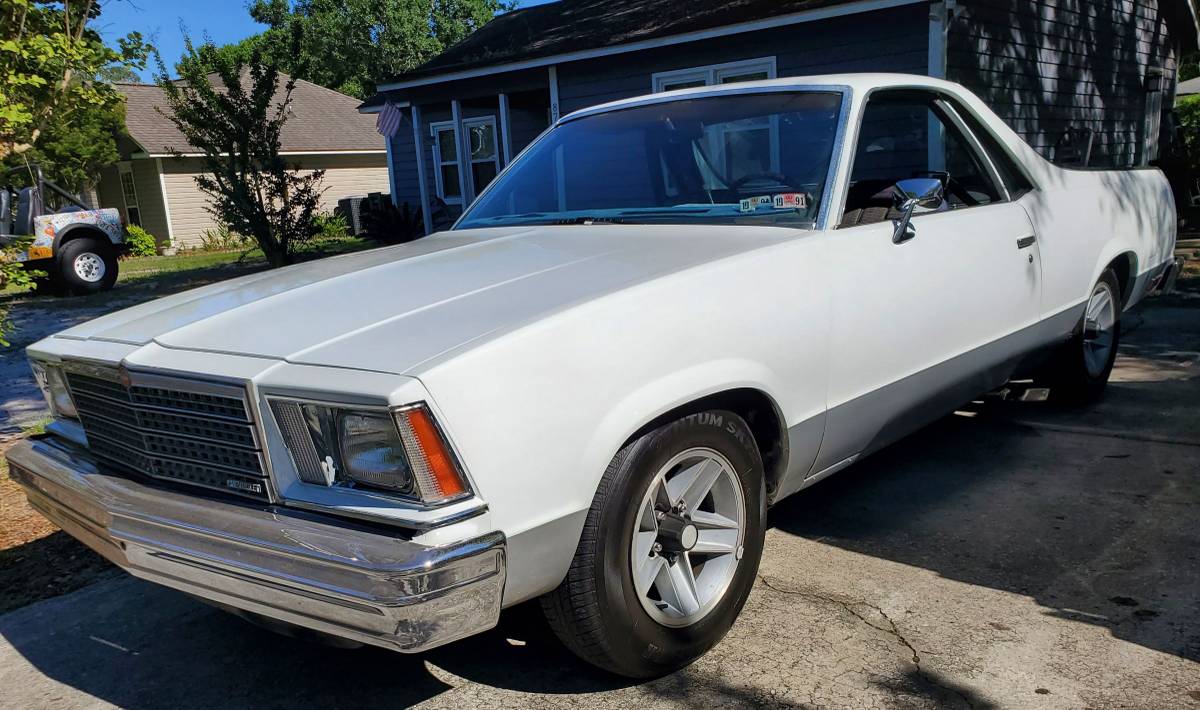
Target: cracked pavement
point(1009, 556)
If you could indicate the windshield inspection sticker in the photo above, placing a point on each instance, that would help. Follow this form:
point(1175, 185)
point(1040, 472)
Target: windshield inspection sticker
point(752, 203)
point(790, 200)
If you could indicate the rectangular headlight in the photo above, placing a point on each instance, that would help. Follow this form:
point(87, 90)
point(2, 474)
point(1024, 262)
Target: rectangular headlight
point(402, 453)
point(53, 384)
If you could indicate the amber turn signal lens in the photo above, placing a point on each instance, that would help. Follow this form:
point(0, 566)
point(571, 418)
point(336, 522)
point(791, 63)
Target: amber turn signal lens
point(433, 465)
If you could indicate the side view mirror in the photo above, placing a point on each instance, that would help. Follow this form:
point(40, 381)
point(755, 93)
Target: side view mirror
point(908, 195)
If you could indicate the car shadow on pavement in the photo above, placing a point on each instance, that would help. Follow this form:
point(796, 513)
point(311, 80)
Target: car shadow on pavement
point(1095, 529)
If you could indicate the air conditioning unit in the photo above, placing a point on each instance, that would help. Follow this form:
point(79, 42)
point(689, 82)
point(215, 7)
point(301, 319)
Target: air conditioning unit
point(351, 209)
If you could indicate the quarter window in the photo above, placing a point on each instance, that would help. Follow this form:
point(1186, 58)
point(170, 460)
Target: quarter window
point(905, 135)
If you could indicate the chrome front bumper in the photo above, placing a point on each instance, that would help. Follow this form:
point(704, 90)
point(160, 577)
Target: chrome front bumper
point(355, 582)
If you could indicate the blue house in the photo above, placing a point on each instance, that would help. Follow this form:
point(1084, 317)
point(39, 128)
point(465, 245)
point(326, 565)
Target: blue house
point(1085, 81)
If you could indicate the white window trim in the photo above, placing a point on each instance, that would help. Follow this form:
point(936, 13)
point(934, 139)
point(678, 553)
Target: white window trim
point(438, 162)
point(711, 73)
point(469, 123)
point(126, 168)
point(463, 163)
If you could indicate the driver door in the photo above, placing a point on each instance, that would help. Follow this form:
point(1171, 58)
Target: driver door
point(923, 325)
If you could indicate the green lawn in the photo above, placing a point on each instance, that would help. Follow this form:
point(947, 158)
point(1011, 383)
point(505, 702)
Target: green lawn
point(208, 266)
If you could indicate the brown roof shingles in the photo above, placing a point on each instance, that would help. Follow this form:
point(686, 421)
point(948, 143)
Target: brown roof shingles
point(322, 120)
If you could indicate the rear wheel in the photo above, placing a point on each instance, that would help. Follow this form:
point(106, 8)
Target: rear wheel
point(1079, 372)
point(669, 551)
point(87, 266)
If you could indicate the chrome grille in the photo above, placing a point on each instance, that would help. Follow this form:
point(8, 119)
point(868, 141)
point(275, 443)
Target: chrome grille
point(176, 429)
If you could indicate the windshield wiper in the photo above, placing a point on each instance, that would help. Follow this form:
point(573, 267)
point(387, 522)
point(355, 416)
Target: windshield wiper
point(594, 219)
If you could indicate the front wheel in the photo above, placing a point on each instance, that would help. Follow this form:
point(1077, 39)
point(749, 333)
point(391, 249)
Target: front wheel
point(1079, 371)
point(669, 550)
point(87, 266)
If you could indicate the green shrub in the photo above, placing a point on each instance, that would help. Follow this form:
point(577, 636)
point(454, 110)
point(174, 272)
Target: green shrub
point(13, 273)
point(1188, 111)
point(140, 242)
point(221, 238)
point(330, 226)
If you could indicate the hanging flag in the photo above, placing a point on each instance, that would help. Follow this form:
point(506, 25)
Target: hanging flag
point(389, 119)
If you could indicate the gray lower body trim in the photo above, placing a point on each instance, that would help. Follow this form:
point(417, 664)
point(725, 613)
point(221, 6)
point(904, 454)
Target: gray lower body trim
point(870, 422)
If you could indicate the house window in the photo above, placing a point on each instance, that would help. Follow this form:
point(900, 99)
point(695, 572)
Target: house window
point(754, 142)
point(445, 160)
point(485, 159)
point(481, 165)
point(729, 73)
point(133, 215)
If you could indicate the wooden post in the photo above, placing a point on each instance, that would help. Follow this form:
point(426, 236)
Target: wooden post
point(422, 183)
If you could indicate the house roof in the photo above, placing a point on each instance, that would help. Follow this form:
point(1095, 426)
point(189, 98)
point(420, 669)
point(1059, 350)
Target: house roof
point(574, 25)
point(1188, 88)
point(569, 27)
point(321, 121)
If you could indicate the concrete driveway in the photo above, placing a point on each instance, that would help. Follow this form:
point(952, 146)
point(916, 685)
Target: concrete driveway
point(1008, 556)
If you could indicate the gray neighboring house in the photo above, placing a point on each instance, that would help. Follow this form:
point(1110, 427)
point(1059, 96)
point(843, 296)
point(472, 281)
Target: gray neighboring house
point(1083, 81)
point(157, 191)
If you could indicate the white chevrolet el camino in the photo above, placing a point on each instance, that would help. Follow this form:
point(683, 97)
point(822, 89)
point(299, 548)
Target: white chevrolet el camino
point(666, 315)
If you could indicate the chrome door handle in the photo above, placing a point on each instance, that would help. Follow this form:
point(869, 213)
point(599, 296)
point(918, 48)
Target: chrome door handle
point(1026, 242)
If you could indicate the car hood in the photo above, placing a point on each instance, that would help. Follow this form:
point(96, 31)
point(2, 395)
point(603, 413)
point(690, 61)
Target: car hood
point(392, 309)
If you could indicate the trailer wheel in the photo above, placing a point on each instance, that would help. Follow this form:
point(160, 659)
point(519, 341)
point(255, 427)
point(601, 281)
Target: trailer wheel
point(87, 266)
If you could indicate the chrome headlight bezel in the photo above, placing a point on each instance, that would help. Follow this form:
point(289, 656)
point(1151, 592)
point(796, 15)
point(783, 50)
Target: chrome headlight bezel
point(52, 381)
point(314, 436)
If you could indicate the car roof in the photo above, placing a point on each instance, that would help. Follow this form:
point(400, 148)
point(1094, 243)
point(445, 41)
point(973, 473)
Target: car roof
point(857, 84)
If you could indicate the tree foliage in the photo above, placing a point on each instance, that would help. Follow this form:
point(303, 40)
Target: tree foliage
point(1187, 109)
point(77, 144)
point(1189, 66)
point(52, 63)
point(347, 45)
point(233, 112)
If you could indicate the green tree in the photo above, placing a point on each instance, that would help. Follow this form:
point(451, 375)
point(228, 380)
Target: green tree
point(347, 45)
point(234, 120)
point(77, 144)
point(51, 60)
point(1189, 66)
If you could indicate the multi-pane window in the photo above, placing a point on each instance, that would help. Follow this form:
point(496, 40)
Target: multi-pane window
point(133, 214)
point(742, 149)
point(481, 165)
point(485, 159)
point(445, 158)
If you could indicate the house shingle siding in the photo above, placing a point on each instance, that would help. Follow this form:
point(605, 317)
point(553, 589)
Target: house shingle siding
point(149, 195)
point(888, 40)
point(344, 175)
point(1046, 66)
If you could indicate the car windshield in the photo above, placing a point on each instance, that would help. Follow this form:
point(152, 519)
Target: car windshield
point(759, 158)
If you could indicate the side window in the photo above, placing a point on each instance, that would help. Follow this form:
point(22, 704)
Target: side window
point(904, 135)
point(1012, 176)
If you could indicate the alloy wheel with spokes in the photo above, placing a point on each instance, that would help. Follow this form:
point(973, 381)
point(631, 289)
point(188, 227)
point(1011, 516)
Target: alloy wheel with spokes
point(688, 537)
point(1099, 334)
point(669, 550)
point(1077, 373)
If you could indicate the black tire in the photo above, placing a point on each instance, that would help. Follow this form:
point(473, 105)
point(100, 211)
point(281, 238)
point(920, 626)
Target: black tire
point(105, 262)
point(596, 612)
point(1067, 375)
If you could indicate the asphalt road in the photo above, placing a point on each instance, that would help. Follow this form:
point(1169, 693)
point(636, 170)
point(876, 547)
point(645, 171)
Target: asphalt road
point(1010, 555)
